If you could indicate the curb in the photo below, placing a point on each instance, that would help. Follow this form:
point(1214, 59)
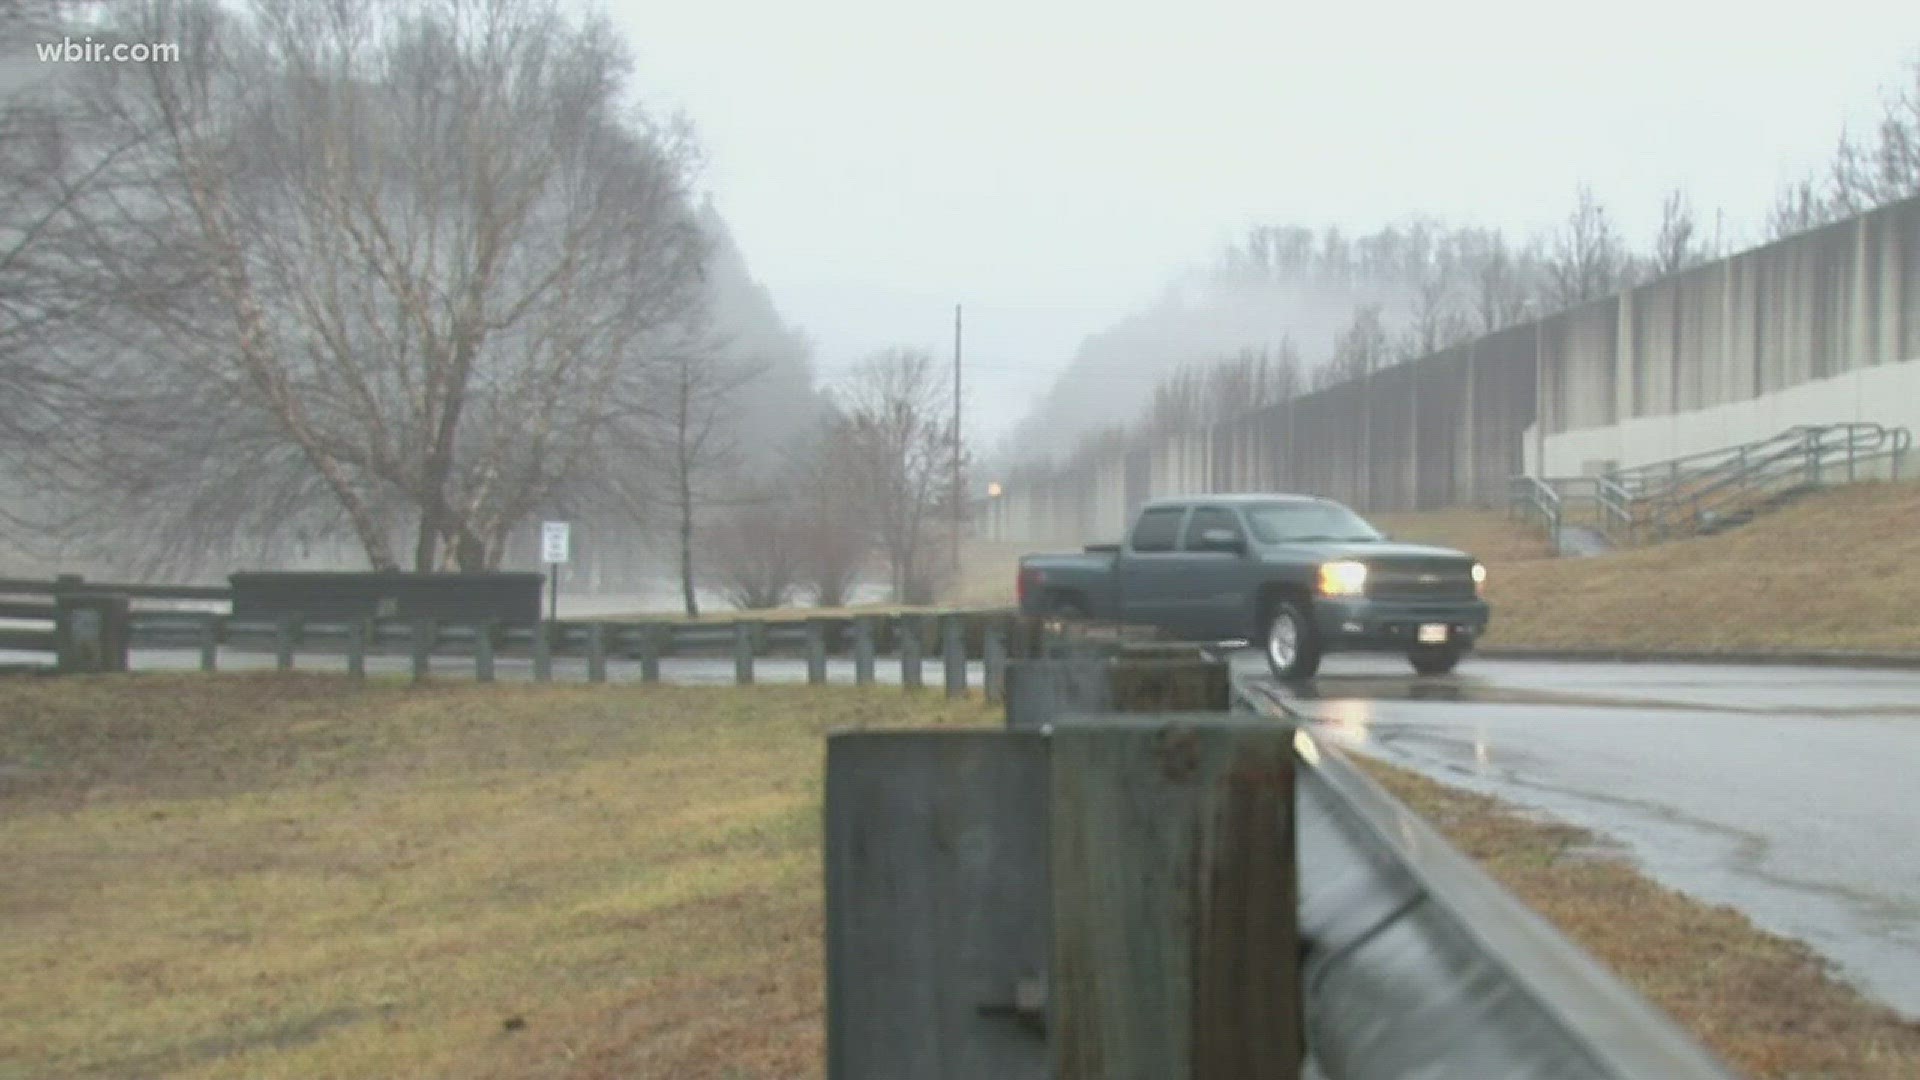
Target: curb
point(1776, 658)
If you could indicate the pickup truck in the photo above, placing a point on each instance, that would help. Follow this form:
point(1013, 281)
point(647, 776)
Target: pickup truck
point(1297, 575)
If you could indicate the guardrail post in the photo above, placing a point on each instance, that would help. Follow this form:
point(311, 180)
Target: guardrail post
point(597, 652)
point(359, 637)
point(742, 654)
point(483, 652)
point(993, 661)
point(92, 632)
point(422, 642)
point(862, 651)
point(650, 652)
point(283, 643)
point(816, 652)
point(210, 644)
point(954, 649)
point(1179, 836)
point(906, 631)
point(543, 651)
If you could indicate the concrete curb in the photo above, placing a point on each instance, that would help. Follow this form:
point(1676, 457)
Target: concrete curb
point(1776, 658)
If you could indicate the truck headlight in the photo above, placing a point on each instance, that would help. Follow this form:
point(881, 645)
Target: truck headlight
point(1343, 578)
point(1479, 579)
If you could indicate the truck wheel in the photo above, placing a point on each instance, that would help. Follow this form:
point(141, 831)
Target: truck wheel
point(1066, 608)
point(1292, 647)
point(1435, 660)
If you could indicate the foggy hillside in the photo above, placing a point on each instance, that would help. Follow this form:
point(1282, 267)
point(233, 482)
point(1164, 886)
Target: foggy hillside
point(1285, 283)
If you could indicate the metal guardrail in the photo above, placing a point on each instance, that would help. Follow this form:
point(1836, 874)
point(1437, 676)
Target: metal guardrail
point(1416, 963)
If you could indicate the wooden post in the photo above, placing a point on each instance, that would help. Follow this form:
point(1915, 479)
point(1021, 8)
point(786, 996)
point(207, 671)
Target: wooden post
point(283, 643)
point(543, 651)
point(816, 653)
point(1175, 945)
point(424, 633)
point(993, 662)
point(906, 631)
point(483, 652)
point(863, 651)
point(954, 646)
point(597, 652)
point(210, 644)
point(359, 636)
point(743, 653)
point(650, 634)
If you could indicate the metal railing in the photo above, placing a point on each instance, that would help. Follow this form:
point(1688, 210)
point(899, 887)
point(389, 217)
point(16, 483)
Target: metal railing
point(1694, 493)
point(1416, 963)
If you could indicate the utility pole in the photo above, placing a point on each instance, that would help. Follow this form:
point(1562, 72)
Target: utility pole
point(959, 497)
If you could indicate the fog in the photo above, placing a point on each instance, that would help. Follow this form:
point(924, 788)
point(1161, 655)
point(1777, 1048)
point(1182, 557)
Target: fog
point(1057, 167)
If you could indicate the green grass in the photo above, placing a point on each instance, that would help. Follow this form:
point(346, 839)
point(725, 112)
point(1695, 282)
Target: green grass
point(272, 877)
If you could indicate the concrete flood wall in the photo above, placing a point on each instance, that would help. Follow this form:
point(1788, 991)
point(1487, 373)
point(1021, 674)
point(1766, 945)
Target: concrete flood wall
point(1818, 328)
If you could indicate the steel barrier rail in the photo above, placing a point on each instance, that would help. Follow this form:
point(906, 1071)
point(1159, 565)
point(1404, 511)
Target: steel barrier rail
point(1417, 964)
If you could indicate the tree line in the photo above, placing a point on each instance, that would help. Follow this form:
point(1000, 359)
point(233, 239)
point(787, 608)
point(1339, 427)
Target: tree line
point(414, 275)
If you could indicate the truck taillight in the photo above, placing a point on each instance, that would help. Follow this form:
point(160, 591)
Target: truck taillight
point(1024, 583)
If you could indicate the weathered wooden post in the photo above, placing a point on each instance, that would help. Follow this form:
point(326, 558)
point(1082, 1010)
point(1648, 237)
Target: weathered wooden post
point(650, 634)
point(597, 652)
point(907, 633)
point(862, 651)
point(210, 643)
point(1175, 946)
point(543, 651)
point(425, 634)
point(742, 654)
point(483, 652)
point(283, 633)
point(953, 644)
point(359, 637)
point(993, 661)
point(1116, 899)
point(816, 652)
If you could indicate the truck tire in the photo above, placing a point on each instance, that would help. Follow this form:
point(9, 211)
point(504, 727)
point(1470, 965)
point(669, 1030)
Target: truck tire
point(1290, 642)
point(1435, 660)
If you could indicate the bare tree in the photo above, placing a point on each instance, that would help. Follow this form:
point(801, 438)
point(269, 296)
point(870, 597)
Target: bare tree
point(1797, 208)
point(831, 541)
point(1436, 322)
point(1677, 247)
point(1588, 256)
point(381, 266)
point(755, 553)
point(1495, 279)
point(899, 418)
point(1884, 166)
point(1362, 349)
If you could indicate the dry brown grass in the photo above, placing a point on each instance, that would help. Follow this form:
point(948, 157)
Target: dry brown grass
point(1764, 1004)
point(1836, 570)
point(280, 877)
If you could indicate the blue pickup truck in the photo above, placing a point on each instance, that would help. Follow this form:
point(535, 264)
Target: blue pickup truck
point(1297, 575)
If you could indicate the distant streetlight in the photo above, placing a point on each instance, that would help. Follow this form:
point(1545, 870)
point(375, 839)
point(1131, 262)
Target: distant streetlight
point(993, 489)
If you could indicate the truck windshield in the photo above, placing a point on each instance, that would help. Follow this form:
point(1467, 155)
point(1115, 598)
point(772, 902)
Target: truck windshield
point(1283, 523)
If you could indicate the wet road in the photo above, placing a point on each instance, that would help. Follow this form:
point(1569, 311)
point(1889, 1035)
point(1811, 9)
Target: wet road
point(1791, 794)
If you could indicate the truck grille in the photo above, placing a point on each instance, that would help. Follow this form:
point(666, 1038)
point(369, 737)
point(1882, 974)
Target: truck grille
point(1420, 581)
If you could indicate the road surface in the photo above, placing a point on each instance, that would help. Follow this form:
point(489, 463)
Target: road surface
point(1789, 793)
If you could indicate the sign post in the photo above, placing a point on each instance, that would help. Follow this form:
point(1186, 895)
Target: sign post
point(553, 552)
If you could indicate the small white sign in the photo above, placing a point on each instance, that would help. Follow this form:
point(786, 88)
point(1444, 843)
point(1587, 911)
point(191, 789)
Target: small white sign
point(553, 541)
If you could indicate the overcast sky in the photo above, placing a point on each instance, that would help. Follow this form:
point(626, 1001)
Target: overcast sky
point(1051, 165)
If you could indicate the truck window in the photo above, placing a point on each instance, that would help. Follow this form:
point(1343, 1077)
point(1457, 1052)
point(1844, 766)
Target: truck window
point(1158, 528)
point(1209, 517)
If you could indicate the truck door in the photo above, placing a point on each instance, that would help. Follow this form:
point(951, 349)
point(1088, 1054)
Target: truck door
point(1213, 579)
point(1148, 570)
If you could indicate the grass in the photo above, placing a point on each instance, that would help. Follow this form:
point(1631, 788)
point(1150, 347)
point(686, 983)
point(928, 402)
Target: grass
point(1766, 1005)
point(287, 876)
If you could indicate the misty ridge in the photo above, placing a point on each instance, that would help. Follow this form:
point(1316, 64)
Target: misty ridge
point(1290, 308)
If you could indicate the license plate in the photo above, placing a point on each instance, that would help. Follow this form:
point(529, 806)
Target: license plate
point(1433, 633)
